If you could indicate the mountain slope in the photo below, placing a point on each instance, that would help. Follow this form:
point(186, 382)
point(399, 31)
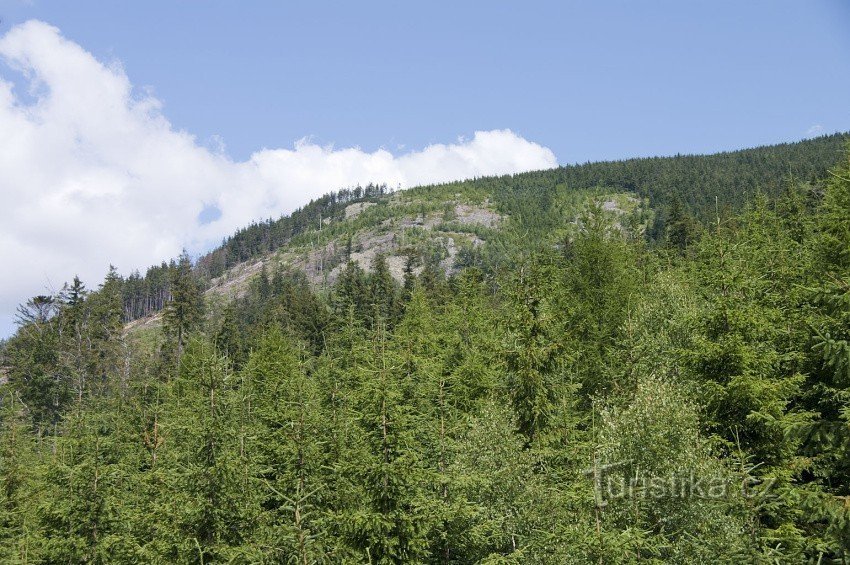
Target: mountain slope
point(487, 221)
point(451, 223)
point(590, 391)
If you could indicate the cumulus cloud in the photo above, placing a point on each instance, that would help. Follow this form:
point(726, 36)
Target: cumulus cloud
point(815, 131)
point(92, 173)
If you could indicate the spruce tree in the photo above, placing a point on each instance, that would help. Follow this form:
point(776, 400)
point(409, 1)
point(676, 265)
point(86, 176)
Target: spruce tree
point(532, 352)
point(202, 502)
point(388, 523)
point(288, 452)
point(681, 226)
point(19, 464)
point(383, 302)
point(80, 517)
point(184, 312)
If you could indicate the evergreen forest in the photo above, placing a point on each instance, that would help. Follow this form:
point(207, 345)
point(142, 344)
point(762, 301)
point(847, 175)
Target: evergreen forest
point(636, 361)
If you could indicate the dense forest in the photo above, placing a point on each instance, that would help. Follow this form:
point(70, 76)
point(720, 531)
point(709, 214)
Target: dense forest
point(585, 389)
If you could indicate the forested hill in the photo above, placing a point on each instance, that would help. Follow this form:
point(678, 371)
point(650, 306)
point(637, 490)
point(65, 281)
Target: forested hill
point(697, 180)
point(595, 364)
point(693, 188)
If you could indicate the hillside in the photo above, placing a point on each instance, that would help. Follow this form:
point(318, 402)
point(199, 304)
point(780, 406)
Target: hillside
point(645, 361)
point(452, 223)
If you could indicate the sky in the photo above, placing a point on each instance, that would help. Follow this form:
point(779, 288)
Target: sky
point(129, 131)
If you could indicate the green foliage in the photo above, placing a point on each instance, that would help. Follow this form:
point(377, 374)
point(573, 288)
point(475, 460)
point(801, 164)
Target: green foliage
point(599, 286)
point(286, 427)
point(656, 475)
point(80, 515)
point(532, 351)
point(386, 470)
point(203, 502)
point(17, 475)
point(628, 369)
point(184, 312)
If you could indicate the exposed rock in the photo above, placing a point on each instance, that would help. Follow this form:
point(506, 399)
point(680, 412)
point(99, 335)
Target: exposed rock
point(612, 205)
point(481, 215)
point(323, 264)
point(354, 210)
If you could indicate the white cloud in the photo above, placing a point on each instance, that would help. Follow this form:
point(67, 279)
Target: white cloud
point(815, 131)
point(92, 173)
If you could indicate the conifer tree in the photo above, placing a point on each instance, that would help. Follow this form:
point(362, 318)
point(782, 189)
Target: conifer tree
point(389, 524)
point(598, 287)
point(473, 350)
point(494, 490)
point(409, 277)
point(346, 351)
point(735, 355)
point(383, 293)
point(77, 340)
point(681, 226)
point(474, 419)
point(183, 313)
point(827, 440)
point(35, 369)
point(18, 468)
point(203, 500)
point(350, 291)
point(80, 516)
point(75, 293)
point(289, 452)
point(532, 353)
point(421, 345)
point(107, 330)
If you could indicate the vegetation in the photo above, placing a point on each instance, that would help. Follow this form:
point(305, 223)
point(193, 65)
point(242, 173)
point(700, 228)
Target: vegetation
point(679, 192)
point(627, 370)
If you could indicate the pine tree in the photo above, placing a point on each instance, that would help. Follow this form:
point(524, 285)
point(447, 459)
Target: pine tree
point(35, 368)
point(409, 280)
point(383, 293)
point(599, 283)
point(420, 342)
point(107, 330)
point(827, 440)
point(80, 515)
point(75, 293)
point(350, 291)
point(77, 339)
point(681, 226)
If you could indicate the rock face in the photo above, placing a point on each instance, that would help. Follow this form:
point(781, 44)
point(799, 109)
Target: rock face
point(480, 215)
point(392, 238)
point(625, 205)
point(439, 233)
point(354, 210)
point(233, 283)
point(398, 227)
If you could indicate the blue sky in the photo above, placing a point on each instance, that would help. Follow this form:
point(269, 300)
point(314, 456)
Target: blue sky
point(133, 130)
point(589, 80)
